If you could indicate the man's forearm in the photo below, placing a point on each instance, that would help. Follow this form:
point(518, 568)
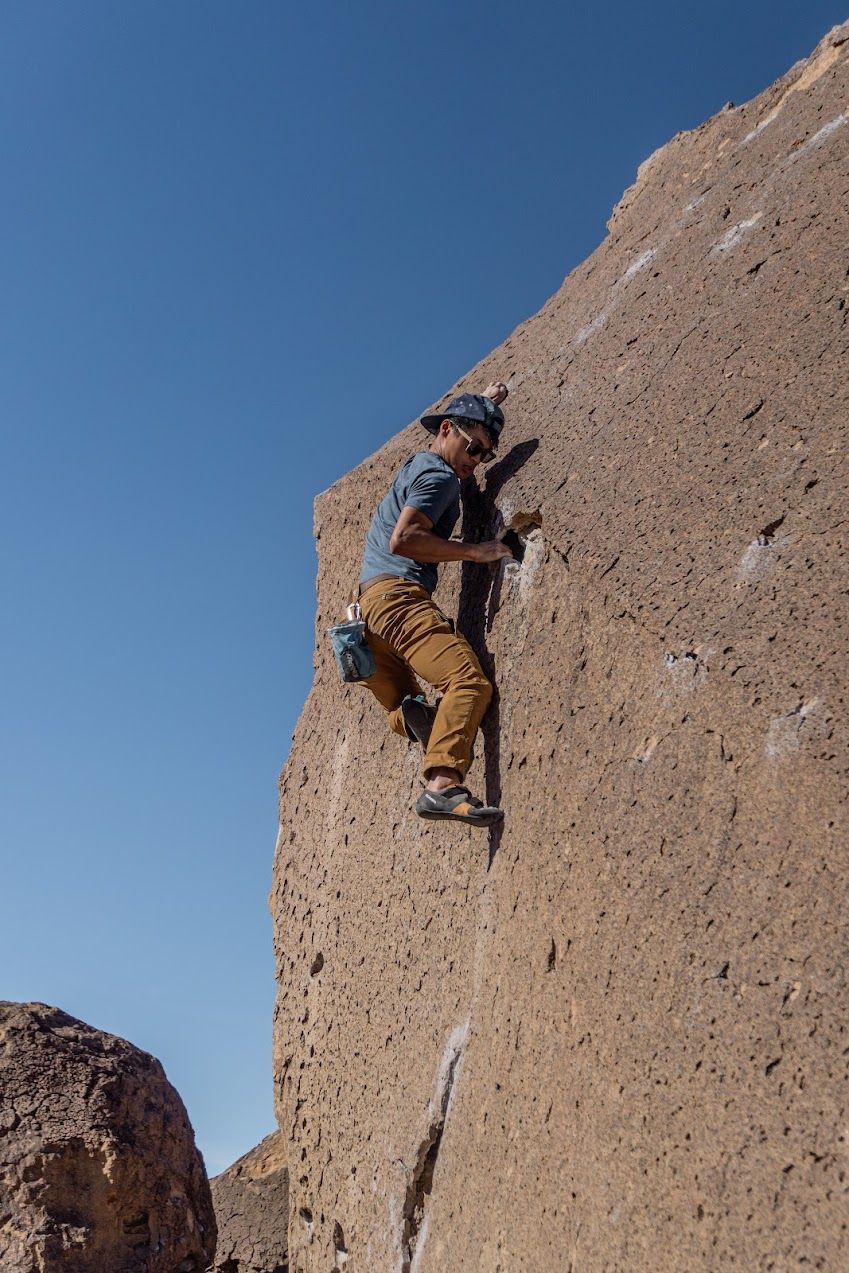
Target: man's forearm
point(422, 545)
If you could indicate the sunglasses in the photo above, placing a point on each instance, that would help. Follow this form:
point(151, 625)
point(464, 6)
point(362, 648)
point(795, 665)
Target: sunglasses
point(475, 448)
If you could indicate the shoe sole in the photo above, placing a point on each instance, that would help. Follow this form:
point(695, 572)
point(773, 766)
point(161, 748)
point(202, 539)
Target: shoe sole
point(487, 820)
point(419, 721)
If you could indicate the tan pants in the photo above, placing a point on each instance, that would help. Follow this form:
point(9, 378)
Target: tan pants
point(410, 637)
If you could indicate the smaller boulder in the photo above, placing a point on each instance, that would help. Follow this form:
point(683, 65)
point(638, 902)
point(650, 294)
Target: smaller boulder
point(251, 1201)
point(98, 1164)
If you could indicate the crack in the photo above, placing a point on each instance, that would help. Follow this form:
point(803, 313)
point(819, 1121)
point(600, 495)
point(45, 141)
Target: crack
point(340, 1246)
point(564, 556)
point(756, 268)
point(420, 1187)
point(753, 411)
point(653, 379)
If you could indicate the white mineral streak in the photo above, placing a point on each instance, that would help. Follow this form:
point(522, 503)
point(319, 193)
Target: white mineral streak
point(645, 258)
point(736, 233)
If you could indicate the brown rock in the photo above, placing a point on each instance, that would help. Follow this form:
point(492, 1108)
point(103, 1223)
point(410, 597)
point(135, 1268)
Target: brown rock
point(614, 1036)
point(251, 1201)
point(98, 1168)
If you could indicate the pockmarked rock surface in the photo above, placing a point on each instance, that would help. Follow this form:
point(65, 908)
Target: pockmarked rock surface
point(98, 1167)
point(251, 1200)
point(616, 1034)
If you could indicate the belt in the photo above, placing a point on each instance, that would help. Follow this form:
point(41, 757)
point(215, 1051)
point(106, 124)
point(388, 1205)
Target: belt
point(367, 583)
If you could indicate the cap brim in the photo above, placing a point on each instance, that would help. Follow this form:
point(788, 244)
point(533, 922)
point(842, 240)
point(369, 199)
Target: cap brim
point(432, 422)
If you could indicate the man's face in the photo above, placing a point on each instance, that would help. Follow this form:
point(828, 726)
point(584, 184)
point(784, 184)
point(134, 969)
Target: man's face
point(454, 446)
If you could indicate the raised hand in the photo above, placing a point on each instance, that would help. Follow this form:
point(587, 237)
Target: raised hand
point(491, 549)
point(496, 392)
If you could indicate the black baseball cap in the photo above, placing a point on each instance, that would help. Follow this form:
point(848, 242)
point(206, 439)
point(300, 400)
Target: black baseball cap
point(469, 406)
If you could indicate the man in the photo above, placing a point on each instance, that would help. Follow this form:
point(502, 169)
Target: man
point(408, 633)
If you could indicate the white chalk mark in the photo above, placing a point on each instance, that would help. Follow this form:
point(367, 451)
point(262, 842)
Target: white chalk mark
point(737, 232)
point(696, 203)
point(782, 738)
point(818, 138)
point(340, 772)
point(759, 555)
point(534, 555)
point(643, 756)
point(601, 318)
point(754, 559)
point(591, 328)
point(640, 264)
point(765, 123)
point(449, 1069)
point(420, 1244)
point(683, 673)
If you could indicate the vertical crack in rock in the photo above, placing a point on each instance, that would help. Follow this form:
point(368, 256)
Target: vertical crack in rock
point(340, 1247)
point(414, 1220)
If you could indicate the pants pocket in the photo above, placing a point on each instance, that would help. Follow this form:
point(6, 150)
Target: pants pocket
point(446, 619)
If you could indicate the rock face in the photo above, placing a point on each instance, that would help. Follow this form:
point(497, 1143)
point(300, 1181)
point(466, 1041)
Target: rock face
point(614, 1036)
point(98, 1168)
point(251, 1201)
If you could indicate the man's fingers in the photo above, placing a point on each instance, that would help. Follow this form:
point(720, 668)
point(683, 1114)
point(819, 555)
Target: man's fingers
point(496, 391)
point(493, 550)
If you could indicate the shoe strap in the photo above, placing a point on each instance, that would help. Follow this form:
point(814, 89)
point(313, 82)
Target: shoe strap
point(473, 800)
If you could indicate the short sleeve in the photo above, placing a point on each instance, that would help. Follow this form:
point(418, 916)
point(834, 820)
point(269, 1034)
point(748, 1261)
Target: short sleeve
point(432, 492)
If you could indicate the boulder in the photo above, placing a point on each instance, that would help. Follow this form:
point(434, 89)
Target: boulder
point(99, 1172)
point(612, 1034)
point(251, 1201)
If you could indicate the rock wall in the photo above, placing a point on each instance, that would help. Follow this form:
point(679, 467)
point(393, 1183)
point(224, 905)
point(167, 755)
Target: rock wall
point(614, 1035)
point(251, 1201)
point(98, 1167)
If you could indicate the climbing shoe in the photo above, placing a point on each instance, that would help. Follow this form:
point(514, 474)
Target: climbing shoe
point(418, 718)
point(457, 804)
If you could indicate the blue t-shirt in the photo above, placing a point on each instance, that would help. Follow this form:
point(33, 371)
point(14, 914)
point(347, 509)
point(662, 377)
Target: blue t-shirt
point(428, 483)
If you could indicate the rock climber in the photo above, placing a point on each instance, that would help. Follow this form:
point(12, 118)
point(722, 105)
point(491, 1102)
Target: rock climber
point(409, 635)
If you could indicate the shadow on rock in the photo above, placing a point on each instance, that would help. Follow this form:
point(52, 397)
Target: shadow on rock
point(480, 596)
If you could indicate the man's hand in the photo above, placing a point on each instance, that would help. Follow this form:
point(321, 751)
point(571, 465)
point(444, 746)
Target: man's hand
point(496, 392)
point(490, 549)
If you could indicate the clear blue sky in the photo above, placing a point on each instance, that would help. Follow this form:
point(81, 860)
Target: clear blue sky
point(230, 235)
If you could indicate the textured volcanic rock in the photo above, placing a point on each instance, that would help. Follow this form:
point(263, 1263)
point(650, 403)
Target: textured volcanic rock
point(98, 1167)
point(251, 1201)
point(615, 1035)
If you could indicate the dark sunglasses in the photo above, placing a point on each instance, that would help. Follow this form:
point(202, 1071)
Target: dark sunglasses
point(475, 448)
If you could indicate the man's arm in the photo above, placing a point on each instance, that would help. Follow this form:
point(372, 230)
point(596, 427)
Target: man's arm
point(412, 537)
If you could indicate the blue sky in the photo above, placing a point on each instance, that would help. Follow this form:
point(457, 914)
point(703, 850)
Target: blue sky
point(231, 237)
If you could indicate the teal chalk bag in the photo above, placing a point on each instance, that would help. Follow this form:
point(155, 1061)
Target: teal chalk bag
point(352, 650)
